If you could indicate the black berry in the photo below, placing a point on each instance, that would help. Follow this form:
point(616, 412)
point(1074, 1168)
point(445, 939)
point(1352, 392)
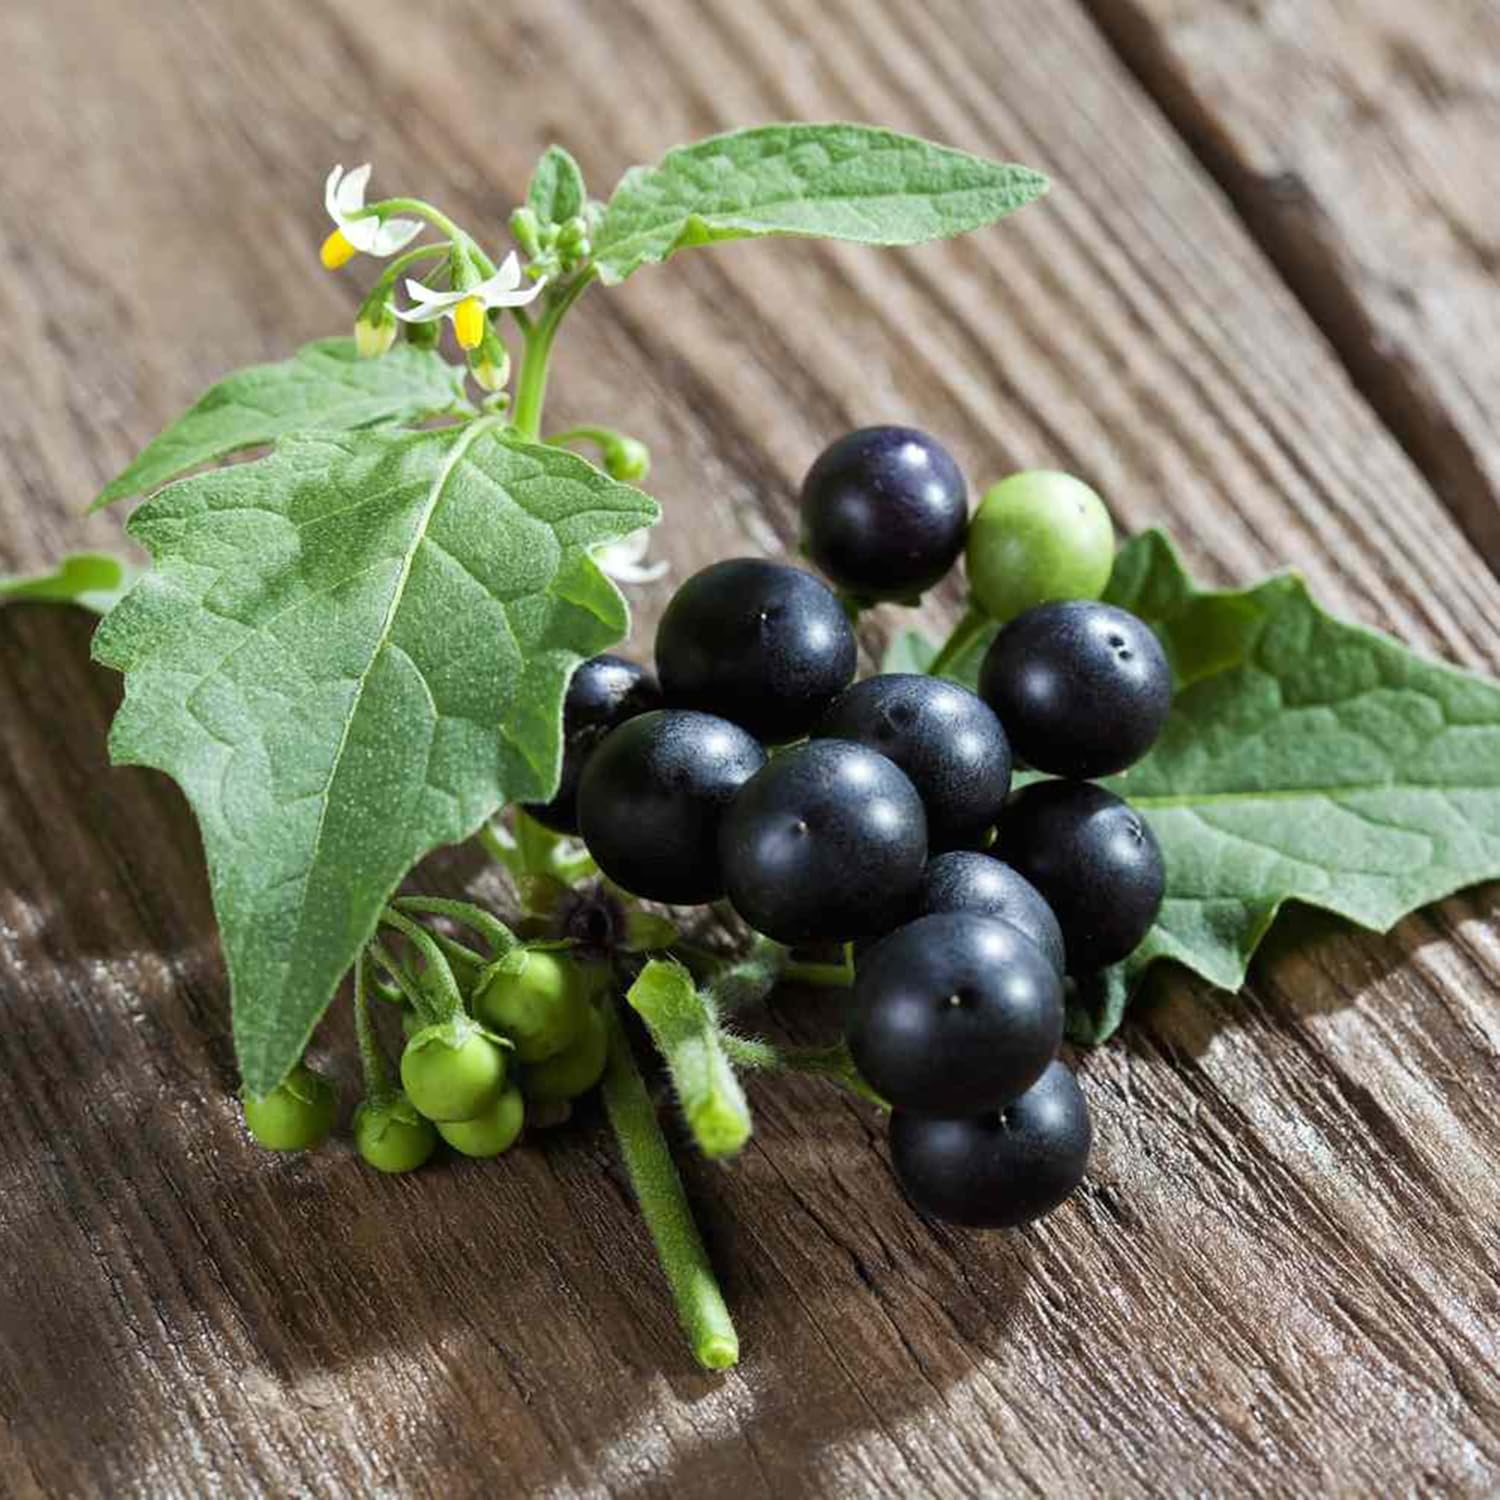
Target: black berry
point(966, 881)
point(1001, 1168)
point(1082, 688)
point(653, 796)
point(1095, 860)
point(827, 843)
point(953, 1014)
point(604, 692)
point(947, 741)
point(884, 512)
point(761, 643)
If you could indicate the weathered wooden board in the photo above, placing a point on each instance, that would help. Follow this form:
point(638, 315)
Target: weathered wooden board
point(1357, 138)
point(1283, 1273)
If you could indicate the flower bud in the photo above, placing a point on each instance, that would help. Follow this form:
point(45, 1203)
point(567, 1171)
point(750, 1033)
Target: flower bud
point(524, 229)
point(490, 365)
point(627, 459)
point(374, 332)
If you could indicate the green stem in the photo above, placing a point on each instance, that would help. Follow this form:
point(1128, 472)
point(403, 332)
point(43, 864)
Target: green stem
point(832, 1062)
point(970, 627)
point(372, 1059)
point(664, 1206)
point(500, 938)
point(531, 385)
point(434, 216)
point(405, 981)
point(447, 1001)
point(747, 981)
point(837, 976)
point(403, 262)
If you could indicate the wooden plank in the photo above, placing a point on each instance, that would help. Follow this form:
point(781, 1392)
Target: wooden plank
point(1281, 1275)
point(1356, 140)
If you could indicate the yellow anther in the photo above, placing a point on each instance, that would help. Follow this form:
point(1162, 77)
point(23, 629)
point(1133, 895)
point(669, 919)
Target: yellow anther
point(337, 251)
point(468, 322)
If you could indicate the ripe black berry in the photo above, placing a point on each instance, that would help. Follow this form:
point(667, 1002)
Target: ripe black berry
point(652, 798)
point(884, 512)
point(953, 1014)
point(1001, 1168)
point(825, 844)
point(604, 691)
point(1095, 860)
point(947, 741)
point(1082, 688)
point(966, 881)
point(758, 642)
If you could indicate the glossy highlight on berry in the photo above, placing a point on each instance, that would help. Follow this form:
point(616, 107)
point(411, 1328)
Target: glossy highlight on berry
point(948, 742)
point(761, 643)
point(653, 797)
point(884, 512)
point(825, 844)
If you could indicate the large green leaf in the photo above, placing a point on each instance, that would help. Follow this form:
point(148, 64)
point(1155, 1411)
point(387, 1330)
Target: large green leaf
point(844, 182)
point(349, 653)
point(324, 385)
point(1305, 759)
point(95, 581)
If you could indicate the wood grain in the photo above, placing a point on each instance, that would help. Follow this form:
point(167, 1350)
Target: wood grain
point(1356, 139)
point(1282, 1275)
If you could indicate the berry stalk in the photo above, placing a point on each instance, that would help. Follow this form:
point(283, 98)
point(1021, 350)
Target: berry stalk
point(664, 1206)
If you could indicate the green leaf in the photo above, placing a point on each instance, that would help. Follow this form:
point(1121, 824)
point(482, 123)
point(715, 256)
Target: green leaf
point(1305, 759)
point(348, 653)
point(842, 182)
point(909, 651)
point(94, 581)
point(556, 193)
point(685, 1028)
point(324, 386)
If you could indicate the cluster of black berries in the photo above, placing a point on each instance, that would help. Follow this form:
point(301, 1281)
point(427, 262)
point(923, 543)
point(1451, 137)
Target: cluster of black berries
point(883, 814)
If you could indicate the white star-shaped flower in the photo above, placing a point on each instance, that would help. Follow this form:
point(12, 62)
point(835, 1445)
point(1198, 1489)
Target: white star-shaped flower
point(625, 560)
point(468, 306)
point(344, 198)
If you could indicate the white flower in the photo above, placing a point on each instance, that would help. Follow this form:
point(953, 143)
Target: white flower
point(468, 305)
point(625, 560)
point(344, 198)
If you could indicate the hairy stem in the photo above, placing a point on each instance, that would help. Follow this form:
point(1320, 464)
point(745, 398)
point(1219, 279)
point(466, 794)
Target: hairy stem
point(833, 1062)
point(658, 1189)
point(683, 1025)
point(372, 1059)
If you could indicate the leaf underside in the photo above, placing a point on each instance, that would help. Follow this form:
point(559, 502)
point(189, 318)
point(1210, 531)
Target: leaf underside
point(324, 385)
point(846, 182)
point(349, 653)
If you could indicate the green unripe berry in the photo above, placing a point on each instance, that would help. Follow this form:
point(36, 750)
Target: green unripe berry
point(627, 459)
point(537, 999)
point(295, 1116)
point(573, 1072)
point(490, 1133)
point(392, 1136)
point(452, 1071)
point(1038, 536)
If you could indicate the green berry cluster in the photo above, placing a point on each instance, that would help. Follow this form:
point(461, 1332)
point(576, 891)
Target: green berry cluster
point(492, 1040)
